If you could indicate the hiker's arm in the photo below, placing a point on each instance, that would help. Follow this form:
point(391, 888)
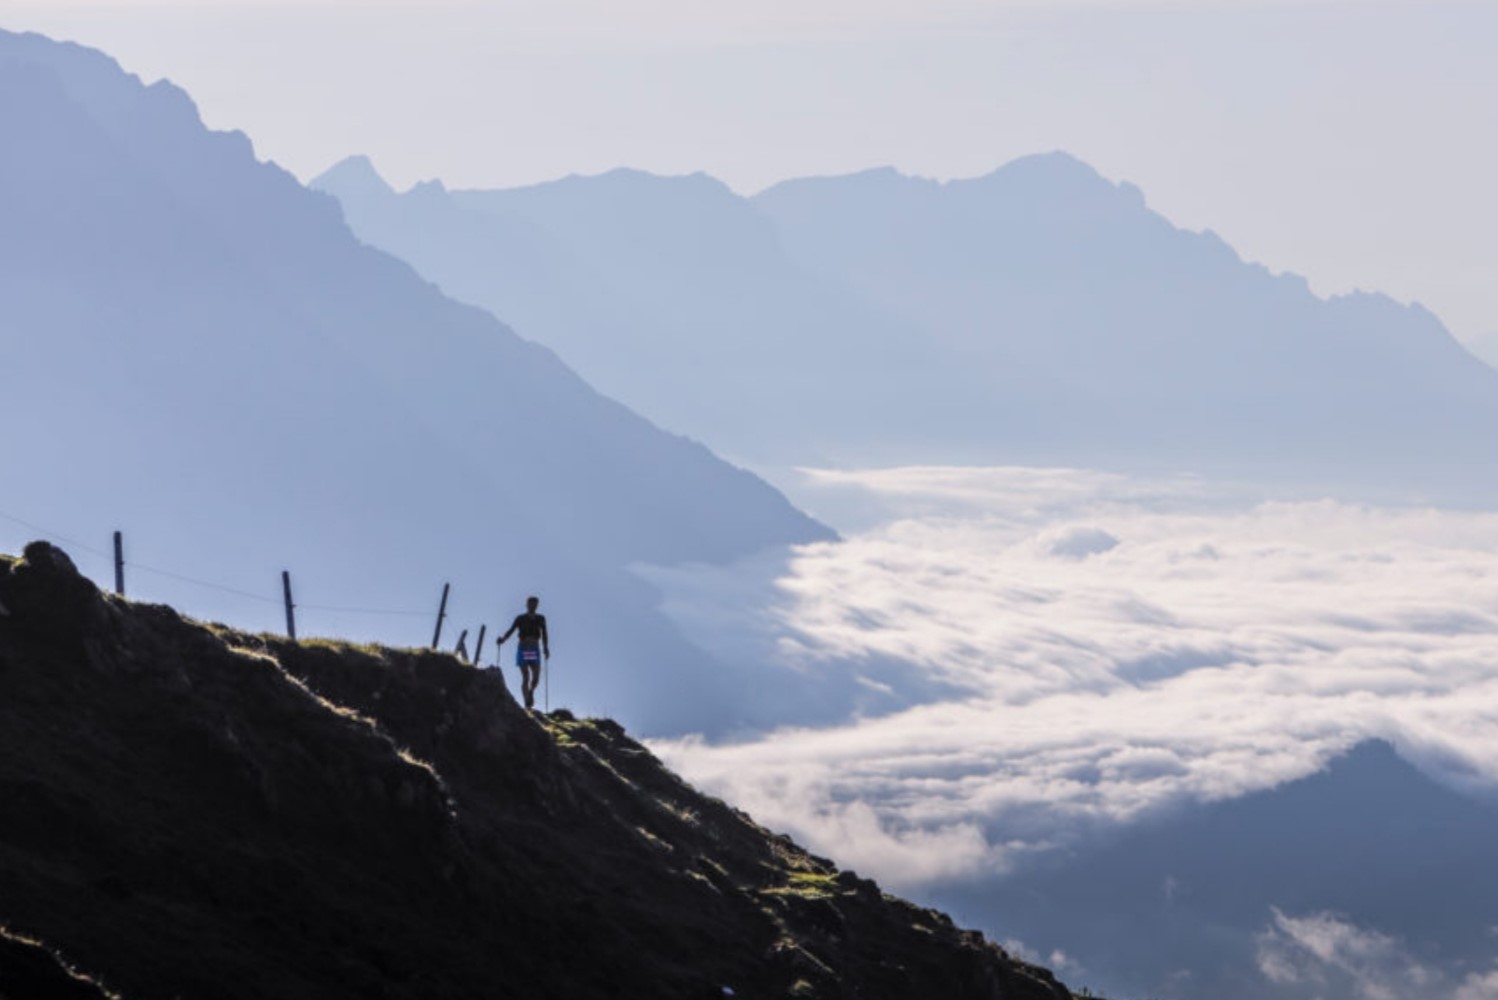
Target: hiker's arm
point(545, 640)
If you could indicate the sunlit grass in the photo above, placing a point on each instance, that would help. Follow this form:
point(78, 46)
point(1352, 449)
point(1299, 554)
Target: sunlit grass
point(807, 885)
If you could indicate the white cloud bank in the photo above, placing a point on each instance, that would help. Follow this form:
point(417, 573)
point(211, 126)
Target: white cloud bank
point(1116, 646)
point(1330, 953)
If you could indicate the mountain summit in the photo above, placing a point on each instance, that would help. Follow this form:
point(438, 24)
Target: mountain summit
point(357, 176)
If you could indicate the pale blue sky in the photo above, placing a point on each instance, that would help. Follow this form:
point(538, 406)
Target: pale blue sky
point(1355, 142)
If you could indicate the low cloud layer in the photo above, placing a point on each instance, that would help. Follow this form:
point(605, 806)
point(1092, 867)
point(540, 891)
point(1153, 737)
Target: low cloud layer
point(1333, 956)
point(1107, 647)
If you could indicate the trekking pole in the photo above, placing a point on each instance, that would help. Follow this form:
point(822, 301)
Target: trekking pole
point(548, 685)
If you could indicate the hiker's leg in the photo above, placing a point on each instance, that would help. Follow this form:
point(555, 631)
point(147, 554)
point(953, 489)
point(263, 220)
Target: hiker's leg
point(531, 678)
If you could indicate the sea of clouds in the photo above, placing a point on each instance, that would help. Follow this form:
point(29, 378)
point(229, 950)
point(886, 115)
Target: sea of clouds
point(1092, 648)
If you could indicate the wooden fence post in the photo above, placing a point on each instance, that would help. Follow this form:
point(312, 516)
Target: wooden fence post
point(119, 564)
point(290, 608)
point(478, 647)
point(462, 648)
point(441, 614)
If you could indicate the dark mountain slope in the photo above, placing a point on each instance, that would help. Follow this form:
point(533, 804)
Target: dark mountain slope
point(243, 387)
point(197, 812)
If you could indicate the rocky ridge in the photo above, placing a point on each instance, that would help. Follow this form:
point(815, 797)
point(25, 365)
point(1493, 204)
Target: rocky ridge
point(193, 811)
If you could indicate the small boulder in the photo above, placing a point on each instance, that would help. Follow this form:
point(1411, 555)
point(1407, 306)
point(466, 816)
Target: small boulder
point(47, 594)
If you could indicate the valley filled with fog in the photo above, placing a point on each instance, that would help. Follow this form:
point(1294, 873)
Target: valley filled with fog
point(1081, 648)
point(1027, 662)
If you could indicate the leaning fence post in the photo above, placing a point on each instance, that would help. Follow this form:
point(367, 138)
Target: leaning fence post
point(441, 614)
point(462, 648)
point(478, 647)
point(290, 608)
point(119, 564)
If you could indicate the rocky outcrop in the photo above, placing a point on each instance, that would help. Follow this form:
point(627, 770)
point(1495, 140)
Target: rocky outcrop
point(197, 812)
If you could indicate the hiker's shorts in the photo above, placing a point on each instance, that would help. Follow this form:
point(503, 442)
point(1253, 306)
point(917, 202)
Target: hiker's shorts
point(527, 656)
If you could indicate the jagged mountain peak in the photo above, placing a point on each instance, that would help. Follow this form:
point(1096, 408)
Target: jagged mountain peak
point(120, 102)
point(1054, 314)
point(353, 177)
point(887, 178)
point(1057, 176)
point(624, 196)
point(633, 179)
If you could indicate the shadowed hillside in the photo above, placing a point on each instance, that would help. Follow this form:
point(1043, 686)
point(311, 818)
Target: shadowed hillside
point(195, 812)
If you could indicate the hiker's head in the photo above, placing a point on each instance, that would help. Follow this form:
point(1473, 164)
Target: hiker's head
point(531, 603)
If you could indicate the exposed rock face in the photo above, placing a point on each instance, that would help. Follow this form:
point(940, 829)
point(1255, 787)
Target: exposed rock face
point(51, 596)
point(195, 812)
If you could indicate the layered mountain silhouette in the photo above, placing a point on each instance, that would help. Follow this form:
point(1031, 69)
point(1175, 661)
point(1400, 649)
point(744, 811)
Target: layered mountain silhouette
point(1039, 314)
point(1118, 333)
point(672, 293)
point(193, 811)
point(198, 351)
point(1179, 906)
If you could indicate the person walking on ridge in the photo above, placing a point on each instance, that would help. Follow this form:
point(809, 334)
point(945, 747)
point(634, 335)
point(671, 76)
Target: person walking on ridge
point(534, 644)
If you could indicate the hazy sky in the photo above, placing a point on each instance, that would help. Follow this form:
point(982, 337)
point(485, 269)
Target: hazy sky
point(1354, 142)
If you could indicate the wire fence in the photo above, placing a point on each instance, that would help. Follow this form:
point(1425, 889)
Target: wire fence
point(284, 600)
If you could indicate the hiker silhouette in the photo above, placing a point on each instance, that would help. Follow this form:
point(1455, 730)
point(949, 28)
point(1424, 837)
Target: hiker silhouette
point(534, 644)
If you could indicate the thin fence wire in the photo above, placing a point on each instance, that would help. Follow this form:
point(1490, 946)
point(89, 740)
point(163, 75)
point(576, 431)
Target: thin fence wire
point(363, 611)
point(195, 581)
point(48, 533)
point(201, 583)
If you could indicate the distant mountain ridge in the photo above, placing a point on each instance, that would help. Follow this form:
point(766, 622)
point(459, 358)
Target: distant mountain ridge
point(672, 293)
point(1120, 333)
point(1039, 314)
point(209, 360)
